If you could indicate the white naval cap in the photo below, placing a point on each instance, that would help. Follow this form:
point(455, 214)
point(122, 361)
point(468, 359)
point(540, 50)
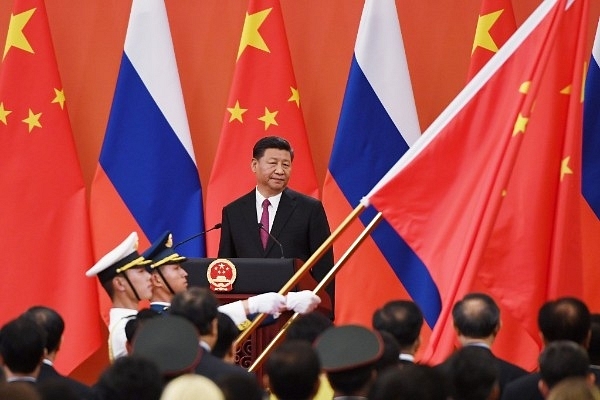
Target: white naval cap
point(118, 260)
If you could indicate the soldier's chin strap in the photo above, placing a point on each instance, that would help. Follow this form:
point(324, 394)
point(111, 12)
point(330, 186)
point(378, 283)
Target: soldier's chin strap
point(165, 281)
point(137, 296)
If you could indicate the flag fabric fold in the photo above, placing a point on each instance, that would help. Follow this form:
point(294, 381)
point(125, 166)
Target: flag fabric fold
point(590, 177)
point(46, 245)
point(147, 179)
point(488, 196)
point(264, 100)
point(378, 122)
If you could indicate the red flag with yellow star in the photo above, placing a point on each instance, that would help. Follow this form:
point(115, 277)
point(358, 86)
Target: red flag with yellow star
point(264, 101)
point(45, 247)
point(490, 192)
point(495, 24)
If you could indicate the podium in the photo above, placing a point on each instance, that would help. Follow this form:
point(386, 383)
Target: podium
point(253, 276)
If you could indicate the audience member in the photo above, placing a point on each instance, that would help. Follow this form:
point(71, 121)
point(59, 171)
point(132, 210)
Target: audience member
point(199, 306)
point(22, 345)
point(134, 323)
point(594, 346)
point(54, 326)
point(472, 374)
point(409, 382)
point(171, 342)
point(566, 318)
point(227, 332)
point(192, 387)
point(477, 323)
point(403, 319)
point(391, 349)
point(129, 378)
point(241, 387)
point(574, 389)
point(348, 354)
point(123, 275)
point(18, 391)
point(563, 359)
point(292, 371)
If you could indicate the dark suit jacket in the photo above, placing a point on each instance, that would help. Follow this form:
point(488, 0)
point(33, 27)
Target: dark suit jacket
point(300, 225)
point(48, 373)
point(215, 368)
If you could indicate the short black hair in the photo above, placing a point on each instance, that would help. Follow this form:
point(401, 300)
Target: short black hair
point(271, 142)
point(562, 359)
point(50, 321)
point(409, 382)
point(197, 305)
point(22, 344)
point(227, 332)
point(130, 377)
point(402, 318)
point(308, 327)
point(135, 321)
point(566, 318)
point(471, 373)
point(476, 316)
point(293, 369)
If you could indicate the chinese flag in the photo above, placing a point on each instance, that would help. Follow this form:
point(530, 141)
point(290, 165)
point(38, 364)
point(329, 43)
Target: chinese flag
point(495, 24)
point(45, 247)
point(264, 101)
point(490, 193)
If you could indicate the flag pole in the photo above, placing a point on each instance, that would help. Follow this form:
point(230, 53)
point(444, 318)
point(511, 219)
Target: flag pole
point(301, 272)
point(324, 282)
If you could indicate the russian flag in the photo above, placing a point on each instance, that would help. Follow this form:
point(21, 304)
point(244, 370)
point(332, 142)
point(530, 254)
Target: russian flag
point(147, 180)
point(590, 186)
point(378, 122)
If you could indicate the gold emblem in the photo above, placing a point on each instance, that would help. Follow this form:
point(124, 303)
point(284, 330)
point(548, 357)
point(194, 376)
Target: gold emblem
point(221, 274)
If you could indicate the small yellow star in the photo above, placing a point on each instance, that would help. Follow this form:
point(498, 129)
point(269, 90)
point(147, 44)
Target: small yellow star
point(482, 33)
point(3, 113)
point(524, 88)
point(236, 112)
point(269, 118)
point(295, 96)
point(520, 124)
point(250, 34)
point(566, 90)
point(564, 168)
point(33, 120)
point(60, 98)
point(16, 37)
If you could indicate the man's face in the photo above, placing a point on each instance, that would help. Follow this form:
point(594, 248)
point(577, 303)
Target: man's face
point(140, 279)
point(272, 171)
point(176, 277)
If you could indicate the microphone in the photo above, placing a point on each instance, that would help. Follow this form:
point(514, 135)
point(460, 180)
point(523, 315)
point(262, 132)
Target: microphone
point(217, 226)
point(260, 226)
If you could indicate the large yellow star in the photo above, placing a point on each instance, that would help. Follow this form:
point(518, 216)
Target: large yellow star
point(482, 33)
point(33, 120)
point(236, 112)
point(16, 37)
point(564, 168)
point(295, 96)
point(250, 34)
point(269, 118)
point(60, 98)
point(3, 113)
point(520, 124)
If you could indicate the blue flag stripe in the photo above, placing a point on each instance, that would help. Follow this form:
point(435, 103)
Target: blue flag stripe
point(148, 165)
point(590, 184)
point(367, 144)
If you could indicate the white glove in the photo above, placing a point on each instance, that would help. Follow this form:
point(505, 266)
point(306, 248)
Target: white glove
point(269, 303)
point(302, 302)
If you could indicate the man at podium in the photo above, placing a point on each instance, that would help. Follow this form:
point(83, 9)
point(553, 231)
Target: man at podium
point(273, 221)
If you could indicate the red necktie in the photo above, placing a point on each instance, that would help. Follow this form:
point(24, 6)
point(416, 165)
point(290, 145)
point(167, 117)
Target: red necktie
point(264, 221)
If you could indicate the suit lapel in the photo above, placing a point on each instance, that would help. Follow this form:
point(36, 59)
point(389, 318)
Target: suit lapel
point(286, 207)
point(250, 222)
